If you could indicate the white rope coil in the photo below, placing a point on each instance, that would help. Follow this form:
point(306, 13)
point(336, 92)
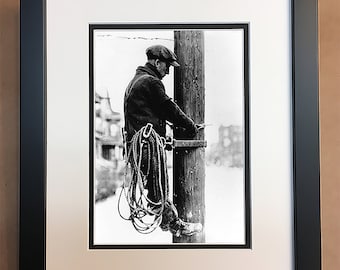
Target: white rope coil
point(145, 214)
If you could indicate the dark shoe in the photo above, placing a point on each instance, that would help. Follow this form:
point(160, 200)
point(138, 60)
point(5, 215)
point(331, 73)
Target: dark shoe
point(182, 228)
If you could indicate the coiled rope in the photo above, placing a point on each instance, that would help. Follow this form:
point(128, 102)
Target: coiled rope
point(146, 149)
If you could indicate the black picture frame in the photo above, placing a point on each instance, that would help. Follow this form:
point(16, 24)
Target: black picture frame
point(307, 234)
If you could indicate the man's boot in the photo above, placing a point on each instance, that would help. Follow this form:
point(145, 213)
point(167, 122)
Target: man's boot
point(182, 228)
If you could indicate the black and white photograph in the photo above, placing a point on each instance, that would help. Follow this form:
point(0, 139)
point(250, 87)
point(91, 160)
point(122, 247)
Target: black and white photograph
point(169, 136)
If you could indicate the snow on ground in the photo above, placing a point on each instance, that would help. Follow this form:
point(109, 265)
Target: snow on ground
point(224, 204)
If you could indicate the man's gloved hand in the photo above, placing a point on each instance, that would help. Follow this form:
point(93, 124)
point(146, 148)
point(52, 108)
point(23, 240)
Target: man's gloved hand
point(192, 130)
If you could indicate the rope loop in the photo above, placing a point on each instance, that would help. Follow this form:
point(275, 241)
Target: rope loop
point(145, 161)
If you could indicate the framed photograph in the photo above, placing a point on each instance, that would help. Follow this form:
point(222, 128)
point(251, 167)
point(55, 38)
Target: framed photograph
point(188, 136)
point(218, 105)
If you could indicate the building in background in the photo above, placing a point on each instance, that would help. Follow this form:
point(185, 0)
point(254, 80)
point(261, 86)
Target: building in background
point(109, 162)
point(229, 150)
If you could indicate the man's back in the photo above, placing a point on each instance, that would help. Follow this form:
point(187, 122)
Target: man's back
point(143, 101)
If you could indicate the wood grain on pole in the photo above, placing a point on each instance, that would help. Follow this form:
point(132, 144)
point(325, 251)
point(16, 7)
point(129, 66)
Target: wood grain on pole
point(189, 166)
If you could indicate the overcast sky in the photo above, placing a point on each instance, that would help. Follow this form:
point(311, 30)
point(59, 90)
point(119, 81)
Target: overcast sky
point(118, 53)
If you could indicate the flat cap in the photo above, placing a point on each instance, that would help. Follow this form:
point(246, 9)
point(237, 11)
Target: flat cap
point(162, 53)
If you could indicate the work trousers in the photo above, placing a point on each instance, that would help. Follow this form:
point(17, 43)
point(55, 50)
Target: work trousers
point(156, 182)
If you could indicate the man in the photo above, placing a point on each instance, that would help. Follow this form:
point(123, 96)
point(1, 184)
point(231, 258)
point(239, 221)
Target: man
point(146, 102)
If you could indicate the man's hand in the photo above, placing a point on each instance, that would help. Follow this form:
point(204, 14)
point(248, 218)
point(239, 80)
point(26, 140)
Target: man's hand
point(200, 126)
point(192, 130)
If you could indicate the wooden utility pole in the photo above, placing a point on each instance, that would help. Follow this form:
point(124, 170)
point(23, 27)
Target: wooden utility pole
point(189, 166)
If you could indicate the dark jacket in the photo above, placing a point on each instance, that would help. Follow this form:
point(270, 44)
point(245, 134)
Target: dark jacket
point(145, 101)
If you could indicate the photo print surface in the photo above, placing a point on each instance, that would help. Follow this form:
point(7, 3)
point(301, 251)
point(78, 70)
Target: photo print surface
point(169, 136)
